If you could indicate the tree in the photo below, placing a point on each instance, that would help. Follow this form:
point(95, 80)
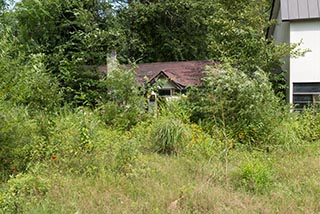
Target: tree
point(3, 5)
point(71, 35)
point(67, 27)
point(237, 35)
point(226, 31)
point(165, 30)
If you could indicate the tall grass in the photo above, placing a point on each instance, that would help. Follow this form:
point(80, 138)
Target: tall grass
point(173, 184)
point(168, 135)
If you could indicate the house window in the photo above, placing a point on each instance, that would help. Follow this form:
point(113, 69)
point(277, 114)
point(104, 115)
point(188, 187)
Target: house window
point(170, 92)
point(305, 95)
point(180, 91)
point(165, 92)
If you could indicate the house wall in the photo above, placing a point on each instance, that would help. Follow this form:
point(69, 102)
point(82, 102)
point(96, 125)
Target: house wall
point(306, 68)
point(281, 35)
point(281, 32)
point(167, 84)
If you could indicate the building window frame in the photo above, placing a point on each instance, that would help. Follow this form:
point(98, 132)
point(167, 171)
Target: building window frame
point(306, 95)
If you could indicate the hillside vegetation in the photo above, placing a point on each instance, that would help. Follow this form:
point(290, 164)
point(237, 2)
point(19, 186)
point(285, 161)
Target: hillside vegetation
point(74, 140)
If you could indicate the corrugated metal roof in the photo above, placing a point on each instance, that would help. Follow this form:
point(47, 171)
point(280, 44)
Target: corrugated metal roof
point(300, 9)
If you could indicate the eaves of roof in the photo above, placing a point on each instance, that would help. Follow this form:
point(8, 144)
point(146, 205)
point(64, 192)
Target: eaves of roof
point(273, 15)
point(294, 10)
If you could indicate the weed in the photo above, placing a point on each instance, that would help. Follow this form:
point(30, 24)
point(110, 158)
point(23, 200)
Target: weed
point(254, 175)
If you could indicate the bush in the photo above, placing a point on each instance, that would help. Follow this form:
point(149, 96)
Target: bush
point(29, 83)
point(76, 141)
point(202, 145)
point(121, 104)
point(308, 125)
point(66, 137)
point(17, 130)
point(243, 105)
point(21, 191)
point(254, 175)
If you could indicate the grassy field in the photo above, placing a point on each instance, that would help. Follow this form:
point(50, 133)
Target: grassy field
point(281, 181)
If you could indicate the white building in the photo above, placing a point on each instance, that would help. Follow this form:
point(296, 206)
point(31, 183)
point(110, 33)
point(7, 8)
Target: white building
point(299, 21)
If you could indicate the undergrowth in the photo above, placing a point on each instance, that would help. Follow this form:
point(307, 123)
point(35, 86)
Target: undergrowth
point(74, 160)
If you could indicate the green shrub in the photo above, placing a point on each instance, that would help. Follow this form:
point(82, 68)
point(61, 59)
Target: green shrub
point(77, 142)
point(254, 175)
point(17, 130)
point(121, 103)
point(168, 135)
point(201, 145)
point(122, 117)
point(308, 125)
point(67, 140)
point(21, 191)
point(176, 107)
point(29, 83)
point(243, 105)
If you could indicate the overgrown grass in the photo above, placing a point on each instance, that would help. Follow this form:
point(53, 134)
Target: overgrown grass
point(73, 161)
point(171, 184)
point(80, 165)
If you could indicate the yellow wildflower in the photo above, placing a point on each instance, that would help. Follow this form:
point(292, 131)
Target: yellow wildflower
point(240, 135)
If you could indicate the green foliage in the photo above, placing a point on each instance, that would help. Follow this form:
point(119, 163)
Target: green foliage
point(32, 85)
point(77, 142)
point(26, 83)
point(307, 125)
point(121, 103)
point(71, 35)
point(176, 107)
point(254, 175)
point(17, 129)
point(237, 36)
point(25, 88)
point(21, 191)
point(202, 146)
point(69, 135)
point(168, 135)
point(165, 30)
point(71, 28)
point(245, 105)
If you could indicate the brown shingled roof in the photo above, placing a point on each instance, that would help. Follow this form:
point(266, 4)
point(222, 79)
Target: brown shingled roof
point(188, 73)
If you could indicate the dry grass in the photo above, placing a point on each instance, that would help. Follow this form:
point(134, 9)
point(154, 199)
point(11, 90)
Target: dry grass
point(164, 184)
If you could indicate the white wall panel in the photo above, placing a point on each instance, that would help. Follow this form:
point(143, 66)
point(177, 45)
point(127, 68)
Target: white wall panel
point(305, 68)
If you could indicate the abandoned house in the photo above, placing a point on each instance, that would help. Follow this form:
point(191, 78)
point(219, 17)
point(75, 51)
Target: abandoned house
point(175, 76)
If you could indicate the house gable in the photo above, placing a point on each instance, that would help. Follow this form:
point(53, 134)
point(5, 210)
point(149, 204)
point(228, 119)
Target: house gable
point(180, 74)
